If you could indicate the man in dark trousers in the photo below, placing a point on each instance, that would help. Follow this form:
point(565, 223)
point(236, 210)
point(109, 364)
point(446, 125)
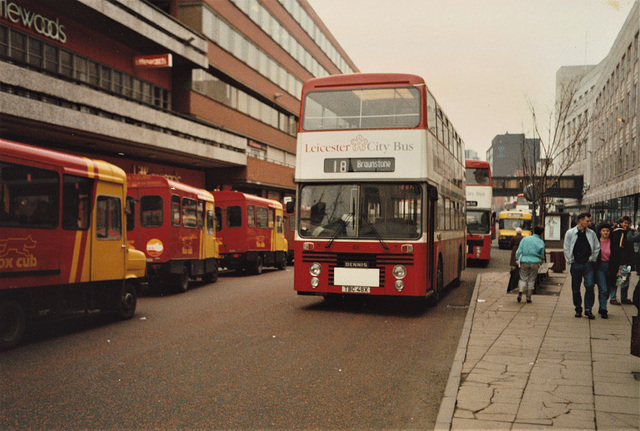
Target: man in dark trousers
point(581, 249)
point(622, 255)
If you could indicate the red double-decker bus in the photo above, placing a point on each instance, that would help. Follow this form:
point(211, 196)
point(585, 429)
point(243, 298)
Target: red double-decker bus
point(380, 189)
point(480, 217)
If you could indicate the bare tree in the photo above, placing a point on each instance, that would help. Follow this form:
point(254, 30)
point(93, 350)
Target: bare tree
point(561, 144)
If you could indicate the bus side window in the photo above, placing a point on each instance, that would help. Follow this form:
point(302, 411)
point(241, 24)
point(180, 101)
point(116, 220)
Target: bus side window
point(76, 202)
point(279, 224)
point(108, 218)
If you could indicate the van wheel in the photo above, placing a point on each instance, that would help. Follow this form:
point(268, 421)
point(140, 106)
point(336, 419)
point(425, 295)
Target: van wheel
point(211, 277)
point(12, 324)
point(257, 267)
point(127, 302)
point(182, 280)
point(283, 262)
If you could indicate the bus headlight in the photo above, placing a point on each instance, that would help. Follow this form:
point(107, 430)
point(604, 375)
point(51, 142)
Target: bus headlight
point(399, 272)
point(314, 282)
point(399, 285)
point(315, 269)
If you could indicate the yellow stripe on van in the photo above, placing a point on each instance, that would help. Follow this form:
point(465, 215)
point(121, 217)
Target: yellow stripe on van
point(76, 257)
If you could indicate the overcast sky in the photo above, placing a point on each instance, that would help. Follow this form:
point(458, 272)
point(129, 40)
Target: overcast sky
point(482, 59)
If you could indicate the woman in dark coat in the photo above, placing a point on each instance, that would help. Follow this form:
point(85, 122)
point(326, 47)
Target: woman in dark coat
point(515, 273)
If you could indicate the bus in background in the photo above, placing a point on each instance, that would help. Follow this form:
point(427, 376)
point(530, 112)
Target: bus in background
point(480, 219)
point(250, 232)
point(173, 224)
point(522, 204)
point(62, 244)
point(380, 189)
point(508, 221)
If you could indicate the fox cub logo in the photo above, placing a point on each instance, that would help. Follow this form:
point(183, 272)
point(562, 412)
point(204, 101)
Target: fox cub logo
point(21, 246)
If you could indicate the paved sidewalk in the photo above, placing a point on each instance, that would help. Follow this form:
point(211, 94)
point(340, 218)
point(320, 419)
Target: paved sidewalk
point(526, 366)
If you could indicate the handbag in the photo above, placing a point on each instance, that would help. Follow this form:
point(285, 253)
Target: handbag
point(635, 336)
point(514, 278)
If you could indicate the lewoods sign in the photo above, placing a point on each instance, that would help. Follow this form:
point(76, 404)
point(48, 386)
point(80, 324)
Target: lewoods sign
point(34, 21)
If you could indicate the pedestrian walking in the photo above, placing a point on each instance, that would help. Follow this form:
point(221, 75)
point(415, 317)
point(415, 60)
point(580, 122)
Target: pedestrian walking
point(622, 255)
point(603, 274)
point(530, 254)
point(514, 277)
point(581, 249)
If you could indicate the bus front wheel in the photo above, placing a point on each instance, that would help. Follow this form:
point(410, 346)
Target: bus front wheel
point(437, 294)
point(12, 323)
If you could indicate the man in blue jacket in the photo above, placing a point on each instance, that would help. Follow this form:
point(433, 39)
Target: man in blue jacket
point(581, 250)
point(530, 254)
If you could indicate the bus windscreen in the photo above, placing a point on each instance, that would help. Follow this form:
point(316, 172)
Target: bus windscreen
point(388, 211)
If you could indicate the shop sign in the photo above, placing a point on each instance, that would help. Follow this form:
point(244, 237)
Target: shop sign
point(162, 60)
point(34, 21)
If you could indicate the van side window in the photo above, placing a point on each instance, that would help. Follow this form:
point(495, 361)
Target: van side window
point(189, 213)
point(262, 218)
point(76, 202)
point(130, 213)
point(29, 196)
point(234, 216)
point(151, 211)
point(175, 210)
point(272, 214)
point(200, 214)
point(251, 216)
point(218, 212)
point(109, 218)
point(210, 221)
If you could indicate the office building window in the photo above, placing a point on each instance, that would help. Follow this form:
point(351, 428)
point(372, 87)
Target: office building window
point(25, 49)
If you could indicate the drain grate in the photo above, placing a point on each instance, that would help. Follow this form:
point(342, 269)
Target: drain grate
point(457, 306)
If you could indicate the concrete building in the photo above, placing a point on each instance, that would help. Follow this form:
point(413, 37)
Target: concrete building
point(611, 160)
point(471, 154)
point(506, 154)
point(204, 91)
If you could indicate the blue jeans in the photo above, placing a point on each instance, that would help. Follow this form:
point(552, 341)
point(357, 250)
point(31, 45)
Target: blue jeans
point(579, 272)
point(602, 274)
point(622, 281)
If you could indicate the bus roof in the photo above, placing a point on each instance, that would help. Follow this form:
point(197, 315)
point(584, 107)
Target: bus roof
point(143, 180)
point(514, 214)
point(471, 163)
point(69, 163)
point(227, 195)
point(362, 79)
